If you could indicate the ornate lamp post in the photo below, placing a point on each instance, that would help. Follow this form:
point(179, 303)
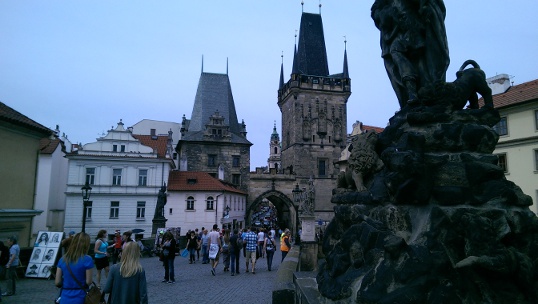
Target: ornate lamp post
point(86, 192)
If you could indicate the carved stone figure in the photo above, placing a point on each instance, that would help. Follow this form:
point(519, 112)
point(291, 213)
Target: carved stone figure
point(414, 46)
point(363, 159)
point(472, 81)
point(161, 201)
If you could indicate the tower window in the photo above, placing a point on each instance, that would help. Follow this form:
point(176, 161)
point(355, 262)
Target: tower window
point(236, 161)
point(211, 160)
point(322, 171)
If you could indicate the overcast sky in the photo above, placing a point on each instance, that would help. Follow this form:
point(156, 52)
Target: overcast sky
point(84, 65)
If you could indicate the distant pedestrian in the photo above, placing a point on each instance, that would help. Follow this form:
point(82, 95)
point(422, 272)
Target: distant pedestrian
point(235, 250)
point(75, 269)
point(67, 241)
point(215, 246)
point(251, 240)
point(169, 254)
point(101, 255)
point(270, 248)
point(261, 239)
point(192, 244)
point(226, 249)
point(205, 250)
point(117, 247)
point(126, 283)
point(11, 266)
point(199, 236)
point(285, 244)
point(4, 258)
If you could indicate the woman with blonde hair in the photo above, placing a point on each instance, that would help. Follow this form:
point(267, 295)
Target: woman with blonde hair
point(75, 269)
point(126, 281)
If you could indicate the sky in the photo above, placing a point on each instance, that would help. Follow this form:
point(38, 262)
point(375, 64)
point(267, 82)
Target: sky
point(84, 65)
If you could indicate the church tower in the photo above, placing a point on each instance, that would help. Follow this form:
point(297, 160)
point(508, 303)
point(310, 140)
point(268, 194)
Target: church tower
point(274, 160)
point(314, 116)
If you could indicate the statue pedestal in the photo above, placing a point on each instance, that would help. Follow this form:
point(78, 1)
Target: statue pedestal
point(158, 222)
point(308, 259)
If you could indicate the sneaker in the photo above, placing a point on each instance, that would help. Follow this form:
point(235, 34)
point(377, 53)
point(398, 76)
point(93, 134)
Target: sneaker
point(171, 282)
point(233, 274)
point(164, 281)
point(213, 271)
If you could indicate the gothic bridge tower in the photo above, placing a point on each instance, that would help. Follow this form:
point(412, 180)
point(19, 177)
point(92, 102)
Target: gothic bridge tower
point(314, 117)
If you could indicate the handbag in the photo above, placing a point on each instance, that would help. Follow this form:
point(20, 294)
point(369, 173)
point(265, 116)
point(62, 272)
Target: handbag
point(93, 294)
point(185, 253)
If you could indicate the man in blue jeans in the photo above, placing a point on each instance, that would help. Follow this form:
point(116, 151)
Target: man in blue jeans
point(235, 250)
point(11, 266)
point(205, 249)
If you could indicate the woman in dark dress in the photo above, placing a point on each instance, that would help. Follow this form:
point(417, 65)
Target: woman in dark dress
point(169, 254)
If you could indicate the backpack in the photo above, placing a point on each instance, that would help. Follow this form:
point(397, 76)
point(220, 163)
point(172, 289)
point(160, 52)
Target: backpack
point(240, 243)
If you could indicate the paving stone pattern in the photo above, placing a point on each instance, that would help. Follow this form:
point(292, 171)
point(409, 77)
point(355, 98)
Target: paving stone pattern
point(194, 284)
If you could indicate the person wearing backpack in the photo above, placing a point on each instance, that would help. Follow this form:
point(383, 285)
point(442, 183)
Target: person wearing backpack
point(236, 243)
point(269, 248)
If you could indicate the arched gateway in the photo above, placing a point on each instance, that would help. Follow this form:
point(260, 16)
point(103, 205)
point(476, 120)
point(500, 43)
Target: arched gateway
point(286, 210)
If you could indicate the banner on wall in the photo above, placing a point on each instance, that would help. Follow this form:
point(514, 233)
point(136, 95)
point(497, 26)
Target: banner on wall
point(46, 249)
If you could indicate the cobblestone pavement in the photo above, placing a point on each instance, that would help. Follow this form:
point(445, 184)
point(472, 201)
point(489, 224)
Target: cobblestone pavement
point(194, 284)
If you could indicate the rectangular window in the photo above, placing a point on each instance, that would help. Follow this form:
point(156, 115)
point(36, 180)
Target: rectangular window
point(503, 162)
point(142, 177)
point(211, 160)
point(114, 148)
point(236, 161)
point(122, 148)
point(89, 210)
point(501, 127)
point(536, 160)
point(116, 177)
point(236, 179)
point(114, 210)
point(321, 167)
point(170, 211)
point(90, 176)
point(536, 119)
point(152, 132)
point(140, 210)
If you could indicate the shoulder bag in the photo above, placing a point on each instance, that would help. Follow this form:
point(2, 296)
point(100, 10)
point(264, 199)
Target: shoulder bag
point(93, 294)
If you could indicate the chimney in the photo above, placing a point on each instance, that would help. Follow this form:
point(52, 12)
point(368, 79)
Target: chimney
point(499, 83)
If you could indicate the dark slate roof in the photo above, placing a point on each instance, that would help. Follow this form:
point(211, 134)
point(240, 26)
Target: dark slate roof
point(199, 136)
point(311, 57)
point(9, 115)
point(214, 93)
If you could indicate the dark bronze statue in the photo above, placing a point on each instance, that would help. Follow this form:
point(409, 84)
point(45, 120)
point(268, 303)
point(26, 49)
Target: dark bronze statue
point(414, 45)
point(472, 81)
point(161, 201)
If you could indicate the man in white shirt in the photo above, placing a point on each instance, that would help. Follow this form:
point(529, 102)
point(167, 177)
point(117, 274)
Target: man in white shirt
point(214, 245)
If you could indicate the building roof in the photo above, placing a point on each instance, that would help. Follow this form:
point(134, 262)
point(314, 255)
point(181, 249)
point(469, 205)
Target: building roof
point(517, 94)
point(9, 115)
point(311, 55)
point(198, 181)
point(214, 93)
point(159, 143)
point(372, 128)
point(48, 145)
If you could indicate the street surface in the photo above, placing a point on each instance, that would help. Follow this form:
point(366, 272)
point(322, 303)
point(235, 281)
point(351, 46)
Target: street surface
point(194, 284)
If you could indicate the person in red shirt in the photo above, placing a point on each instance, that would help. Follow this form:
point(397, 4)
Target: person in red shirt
point(117, 247)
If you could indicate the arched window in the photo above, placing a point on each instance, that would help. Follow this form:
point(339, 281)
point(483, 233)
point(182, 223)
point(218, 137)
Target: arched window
point(190, 203)
point(209, 203)
point(276, 150)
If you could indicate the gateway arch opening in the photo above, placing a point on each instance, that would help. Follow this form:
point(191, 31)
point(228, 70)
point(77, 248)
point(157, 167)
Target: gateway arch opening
point(273, 209)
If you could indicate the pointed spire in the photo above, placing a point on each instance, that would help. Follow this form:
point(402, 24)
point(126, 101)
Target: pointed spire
point(295, 67)
point(202, 63)
point(226, 65)
point(281, 84)
point(302, 6)
point(345, 70)
point(320, 7)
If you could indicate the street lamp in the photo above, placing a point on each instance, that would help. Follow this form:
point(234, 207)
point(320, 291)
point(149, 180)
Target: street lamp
point(86, 192)
point(297, 194)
